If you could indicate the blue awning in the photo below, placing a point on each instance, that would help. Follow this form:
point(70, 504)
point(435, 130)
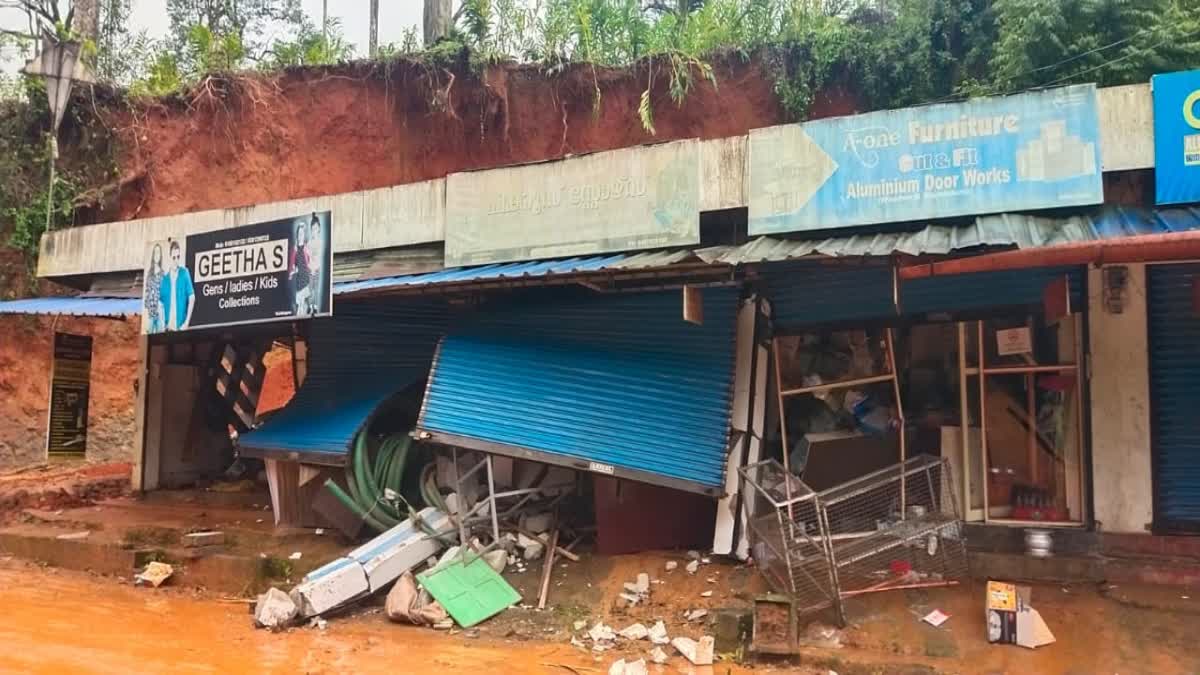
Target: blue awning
point(359, 359)
point(75, 306)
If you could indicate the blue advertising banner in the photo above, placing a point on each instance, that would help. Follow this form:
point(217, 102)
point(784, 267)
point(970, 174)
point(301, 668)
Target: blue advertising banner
point(1176, 137)
point(1030, 151)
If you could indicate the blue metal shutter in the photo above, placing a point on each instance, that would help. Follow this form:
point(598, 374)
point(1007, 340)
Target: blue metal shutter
point(1175, 395)
point(806, 293)
point(358, 359)
point(620, 380)
point(1007, 288)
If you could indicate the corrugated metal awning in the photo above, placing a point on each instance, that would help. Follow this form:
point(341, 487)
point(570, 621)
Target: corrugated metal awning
point(1001, 230)
point(75, 306)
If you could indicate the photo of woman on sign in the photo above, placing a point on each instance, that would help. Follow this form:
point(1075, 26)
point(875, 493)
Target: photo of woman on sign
point(152, 290)
point(300, 270)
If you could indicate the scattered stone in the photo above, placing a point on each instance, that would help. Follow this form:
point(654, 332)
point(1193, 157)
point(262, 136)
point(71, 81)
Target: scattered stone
point(658, 656)
point(620, 667)
point(696, 614)
point(274, 610)
point(671, 565)
point(318, 623)
point(630, 598)
point(632, 587)
point(706, 594)
point(576, 642)
point(643, 583)
point(319, 531)
point(199, 539)
point(820, 635)
point(694, 555)
point(711, 580)
point(580, 624)
point(154, 574)
point(700, 653)
point(74, 536)
point(497, 559)
point(296, 555)
point(658, 634)
point(538, 522)
point(692, 567)
point(602, 633)
point(705, 561)
point(532, 548)
point(635, 632)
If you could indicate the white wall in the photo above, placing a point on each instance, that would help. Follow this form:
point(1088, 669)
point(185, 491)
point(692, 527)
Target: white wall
point(1120, 399)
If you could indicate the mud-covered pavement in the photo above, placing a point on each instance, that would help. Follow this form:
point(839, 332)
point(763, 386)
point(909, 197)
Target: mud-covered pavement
point(56, 621)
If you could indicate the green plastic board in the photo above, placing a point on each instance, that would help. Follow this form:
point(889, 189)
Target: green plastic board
point(470, 591)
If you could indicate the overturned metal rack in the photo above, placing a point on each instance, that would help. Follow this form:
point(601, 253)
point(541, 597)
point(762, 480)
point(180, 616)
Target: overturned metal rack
point(855, 538)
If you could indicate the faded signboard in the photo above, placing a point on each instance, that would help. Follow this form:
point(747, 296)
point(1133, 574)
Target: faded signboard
point(1030, 151)
point(637, 198)
point(70, 384)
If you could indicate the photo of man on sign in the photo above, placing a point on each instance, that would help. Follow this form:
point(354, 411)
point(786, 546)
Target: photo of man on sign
point(176, 296)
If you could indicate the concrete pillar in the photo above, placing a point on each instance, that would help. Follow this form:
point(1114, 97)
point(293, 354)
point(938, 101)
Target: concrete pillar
point(1120, 404)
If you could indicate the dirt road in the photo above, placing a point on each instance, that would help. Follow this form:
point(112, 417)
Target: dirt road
point(60, 622)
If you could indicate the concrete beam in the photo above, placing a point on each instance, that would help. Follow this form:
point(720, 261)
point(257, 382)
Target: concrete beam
point(415, 213)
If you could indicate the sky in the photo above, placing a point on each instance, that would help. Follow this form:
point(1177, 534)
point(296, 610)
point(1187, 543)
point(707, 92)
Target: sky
point(394, 17)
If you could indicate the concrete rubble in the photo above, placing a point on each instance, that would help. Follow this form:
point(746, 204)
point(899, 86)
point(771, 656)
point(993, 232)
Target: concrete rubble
point(699, 652)
point(658, 655)
point(635, 631)
point(621, 667)
point(274, 610)
point(531, 549)
point(154, 574)
point(692, 566)
point(602, 633)
point(671, 565)
point(695, 614)
point(658, 634)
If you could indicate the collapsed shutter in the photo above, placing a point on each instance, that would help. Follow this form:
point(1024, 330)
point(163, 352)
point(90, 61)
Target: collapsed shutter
point(611, 383)
point(804, 294)
point(364, 355)
point(1175, 394)
point(1007, 288)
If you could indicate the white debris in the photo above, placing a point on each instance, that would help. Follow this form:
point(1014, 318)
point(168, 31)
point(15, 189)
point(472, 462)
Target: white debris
point(695, 614)
point(448, 555)
point(580, 624)
point(694, 555)
point(711, 580)
point(671, 565)
point(602, 633)
point(576, 642)
point(635, 632)
point(318, 623)
point(620, 667)
point(532, 548)
point(658, 634)
point(631, 598)
point(497, 559)
point(658, 656)
point(296, 555)
point(643, 583)
point(700, 652)
point(274, 610)
point(538, 523)
point(706, 594)
point(692, 567)
point(154, 574)
point(74, 536)
point(705, 561)
point(631, 587)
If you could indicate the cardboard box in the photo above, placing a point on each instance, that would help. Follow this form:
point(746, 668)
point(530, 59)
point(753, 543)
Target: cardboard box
point(1011, 620)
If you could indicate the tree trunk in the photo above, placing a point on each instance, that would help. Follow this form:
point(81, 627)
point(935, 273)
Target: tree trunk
point(373, 39)
point(87, 19)
point(439, 15)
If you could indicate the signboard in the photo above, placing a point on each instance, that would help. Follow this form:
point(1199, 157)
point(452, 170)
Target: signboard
point(1014, 341)
point(69, 388)
point(637, 198)
point(279, 270)
point(1176, 137)
point(1030, 151)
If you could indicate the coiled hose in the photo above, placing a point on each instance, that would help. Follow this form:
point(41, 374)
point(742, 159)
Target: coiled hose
point(373, 487)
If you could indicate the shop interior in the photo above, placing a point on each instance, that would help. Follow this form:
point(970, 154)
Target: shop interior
point(853, 400)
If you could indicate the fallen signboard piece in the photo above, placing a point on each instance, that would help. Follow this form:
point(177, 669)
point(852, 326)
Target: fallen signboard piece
point(470, 590)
